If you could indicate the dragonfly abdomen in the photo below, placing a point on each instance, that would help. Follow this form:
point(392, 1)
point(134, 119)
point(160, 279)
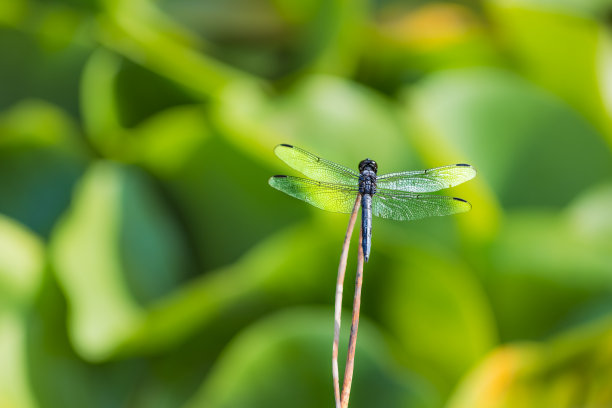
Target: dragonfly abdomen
point(366, 225)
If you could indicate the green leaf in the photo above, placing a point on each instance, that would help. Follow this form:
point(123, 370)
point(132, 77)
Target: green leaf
point(58, 375)
point(278, 272)
point(558, 260)
point(143, 34)
point(12, 13)
point(99, 106)
point(21, 271)
point(21, 263)
point(116, 251)
point(123, 105)
point(50, 56)
point(521, 140)
point(407, 43)
point(15, 387)
point(438, 312)
point(558, 47)
point(41, 157)
point(220, 191)
point(572, 369)
point(167, 142)
point(329, 116)
point(284, 360)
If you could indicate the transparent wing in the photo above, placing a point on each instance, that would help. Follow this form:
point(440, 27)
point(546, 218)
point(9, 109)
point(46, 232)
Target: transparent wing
point(330, 197)
point(427, 181)
point(400, 205)
point(315, 167)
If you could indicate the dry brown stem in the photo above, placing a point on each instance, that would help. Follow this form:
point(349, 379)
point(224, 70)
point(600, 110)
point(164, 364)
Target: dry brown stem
point(350, 357)
point(338, 306)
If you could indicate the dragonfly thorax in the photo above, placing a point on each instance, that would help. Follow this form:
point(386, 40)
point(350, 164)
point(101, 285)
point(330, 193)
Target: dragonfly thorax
point(367, 176)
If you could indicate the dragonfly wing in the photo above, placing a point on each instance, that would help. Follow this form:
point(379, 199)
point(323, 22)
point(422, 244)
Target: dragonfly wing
point(427, 181)
point(315, 167)
point(327, 196)
point(400, 205)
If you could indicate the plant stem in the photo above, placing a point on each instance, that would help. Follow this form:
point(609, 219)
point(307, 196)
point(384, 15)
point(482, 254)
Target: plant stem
point(350, 358)
point(338, 307)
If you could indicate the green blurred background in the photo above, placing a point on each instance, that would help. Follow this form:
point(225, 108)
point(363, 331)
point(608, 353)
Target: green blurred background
point(145, 262)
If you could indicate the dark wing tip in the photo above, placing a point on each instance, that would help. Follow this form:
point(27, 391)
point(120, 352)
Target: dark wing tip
point(286, 145)
point(275, 181)
point(468, 206)
point(462, 165)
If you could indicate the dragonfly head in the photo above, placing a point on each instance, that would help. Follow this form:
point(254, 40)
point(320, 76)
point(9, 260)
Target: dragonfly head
point(368, 164)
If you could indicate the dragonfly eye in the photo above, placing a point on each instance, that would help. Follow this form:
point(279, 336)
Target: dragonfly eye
point(368, 164)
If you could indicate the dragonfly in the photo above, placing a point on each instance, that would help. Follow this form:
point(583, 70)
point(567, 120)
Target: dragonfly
point(398, 196)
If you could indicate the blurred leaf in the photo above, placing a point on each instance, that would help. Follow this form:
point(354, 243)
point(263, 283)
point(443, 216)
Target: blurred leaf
point(166, 142)
point(280, 271)
point(299, 11)
point(605, 71)
point(185, 332)
point(12, 13)
point(141, 93)
point(58, 376)
point(45, 49)
point(444, 119)
point(223, 196)
point(57, 26)
point(36, 123)
point(41, 158)
point(15, 387)
point(438, 312)
point(278, 38)
point(522, 141)
point(346, 118)
point(285, 361)
point(589, 216)
point(259, 39)
point(21, 270)
point(571, 370)
point(140, 32)
point(332, 117)
point(21, 264)
point(116, 251)
point(110, 113)
point(98, 100)
point(333, 39)
point(558, 50)
point(547, 265)
point(408, 42)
